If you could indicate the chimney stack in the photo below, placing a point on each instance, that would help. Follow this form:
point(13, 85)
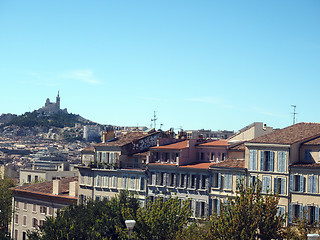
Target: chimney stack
point(73, 189)
point(56, 187)
point(108, 135)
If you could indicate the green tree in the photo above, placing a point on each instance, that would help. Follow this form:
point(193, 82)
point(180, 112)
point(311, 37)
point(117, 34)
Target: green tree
point(95, 220)
point(162, 219)
point(5, 205)
point(249, 215)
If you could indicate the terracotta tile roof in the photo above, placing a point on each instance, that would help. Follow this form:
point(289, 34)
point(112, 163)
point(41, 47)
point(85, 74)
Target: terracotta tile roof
point(125, 139)
point(289, 135)
point(198, 165)
point(162, 164)
point(46, 187)
point(89, 149)
point(306, 165)
point(218, 143)
point(313, 142)
point(237, 147)
point(230, 163)
point(176, 146)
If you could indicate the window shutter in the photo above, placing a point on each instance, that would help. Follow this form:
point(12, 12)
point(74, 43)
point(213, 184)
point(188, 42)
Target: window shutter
point(264, 184)
point(316, 213)
point(218, 206)
point(207, 183)
point(219, 180)
point(291, 182)
point(197, 208)
point(251, 160)
point(175, 180)
point(306, 212)
point(206, 209)
point(300, 211)
point(283, 186)
point(315, 184)
point(271, 161)
point(261, 160)
point(310, 183)
point(210, 206)
point(290, 213)
point(301, 183)
point(276, 185)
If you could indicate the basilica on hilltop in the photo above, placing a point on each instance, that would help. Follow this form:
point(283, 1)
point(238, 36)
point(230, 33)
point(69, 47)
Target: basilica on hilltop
point(51, 108)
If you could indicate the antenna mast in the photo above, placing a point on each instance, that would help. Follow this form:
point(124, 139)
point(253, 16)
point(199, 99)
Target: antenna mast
point(294, 113)
point(154, 119)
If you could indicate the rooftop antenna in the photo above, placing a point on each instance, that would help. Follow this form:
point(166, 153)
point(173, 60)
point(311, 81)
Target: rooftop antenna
point(294, 113)
point(154, 119)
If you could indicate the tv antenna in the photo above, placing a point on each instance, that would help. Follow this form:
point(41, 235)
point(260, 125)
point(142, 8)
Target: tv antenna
point(154, 119)
point(294, 114)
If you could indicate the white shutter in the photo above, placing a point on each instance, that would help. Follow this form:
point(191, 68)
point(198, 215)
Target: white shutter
point(218, 206)
point(264, 184)
point(300, 211)
point(316, 213)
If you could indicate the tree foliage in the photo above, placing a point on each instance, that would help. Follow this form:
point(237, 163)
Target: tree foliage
point(5, 205)
point(249, 215)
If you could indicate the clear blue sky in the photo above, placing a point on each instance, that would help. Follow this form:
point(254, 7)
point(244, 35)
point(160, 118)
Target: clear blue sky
point(199, 64)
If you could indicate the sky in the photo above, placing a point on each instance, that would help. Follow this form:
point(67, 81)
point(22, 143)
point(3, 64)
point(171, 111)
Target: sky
point(218, 65)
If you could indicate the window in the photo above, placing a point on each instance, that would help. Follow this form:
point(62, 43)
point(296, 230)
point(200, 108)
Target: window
point(217, 180)
point(142, 183)
point(25, 206)
point(297, 183)
point(313, 184)
point(153, 178)
point(172, 179)
point(34, 222)
point(228, 181)
point(204, 182)
point(282, 161)
point(89, 180)
point(267, 161)
point(16, 234)
point(41, 222)
point(114, 181)
point(29, 178)
point(212, 156)
point(43, 210)
point(16, 219)
point(34, 208)
point(161, 180)
point(50, 211)
point(124, 181)
point(132, 182)
point(216, 206)
point(82, 179)
point(253, 160)
point(24, 220)
point(312, 214)
point(201, 209)
point(17, 205)
point(280, 186)
point(280, 211)
point(104, 157)
point(252, 180)
point(182, 180)
point(98, 180)
point(295, 212)
point(308, 154)
point(36, 178)
point(266, 184)
point(98, 198)
point(106, 181)
point(193, 181)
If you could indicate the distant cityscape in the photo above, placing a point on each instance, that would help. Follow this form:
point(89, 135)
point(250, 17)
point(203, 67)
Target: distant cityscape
point(54, 167)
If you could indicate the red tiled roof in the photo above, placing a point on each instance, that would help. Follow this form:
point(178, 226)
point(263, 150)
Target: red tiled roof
point(198, 165)
point(230, 163)
point(313, 142)
point(126, 139)
point(177, 146)
point(223, 143)
point(88, 149)
point(237, 147)
point(46, 188)
point(162, 164)
point(307, 165)
point(289, 135)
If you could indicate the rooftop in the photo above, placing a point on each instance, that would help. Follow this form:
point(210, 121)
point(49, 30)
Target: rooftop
point(230, 163)
point(176, 146)
point(289, 135)
point(219, 143)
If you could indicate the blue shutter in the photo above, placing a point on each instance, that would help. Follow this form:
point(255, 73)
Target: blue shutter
point(264, 184)
point(310, 179)
point(251, 160)
point(218, 206)
point(306, 212)
point(276, 185)
point(210, 206)
point(261, 160)
point(316, 214)
point(254, 159)
point(271, 161)
point(291, 182)
point(283, 185)
point(300, 211)
point(315, 184)
point(219, 180)
point(290, 213)
point(301, 183)
point(279, 161)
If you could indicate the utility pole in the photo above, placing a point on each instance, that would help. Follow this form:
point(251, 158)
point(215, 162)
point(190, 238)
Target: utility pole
point(294, 114)
point(154, 119)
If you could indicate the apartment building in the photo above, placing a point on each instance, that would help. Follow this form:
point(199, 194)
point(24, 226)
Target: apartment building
point(286, 161)
point(34, 202)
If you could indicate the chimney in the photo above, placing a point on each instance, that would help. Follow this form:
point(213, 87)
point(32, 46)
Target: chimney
point(73, 189)
point(108, 135)
point(56, 187)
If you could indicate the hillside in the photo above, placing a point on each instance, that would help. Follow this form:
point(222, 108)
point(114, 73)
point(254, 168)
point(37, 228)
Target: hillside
point(34, 119)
